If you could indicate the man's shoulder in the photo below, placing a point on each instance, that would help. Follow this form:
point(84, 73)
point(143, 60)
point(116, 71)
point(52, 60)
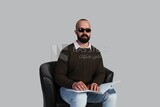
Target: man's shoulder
point(68, 47)
point(64, 54)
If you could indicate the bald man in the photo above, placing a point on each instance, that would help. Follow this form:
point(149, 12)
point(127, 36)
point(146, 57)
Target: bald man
point(80, 67)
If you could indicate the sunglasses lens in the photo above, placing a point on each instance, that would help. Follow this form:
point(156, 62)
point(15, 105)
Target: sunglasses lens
point(88, 30)
point(82, 30)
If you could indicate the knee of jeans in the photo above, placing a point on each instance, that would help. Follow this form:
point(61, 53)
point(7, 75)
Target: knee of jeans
point(80, 98)
point(112, 97)
point(110, 94)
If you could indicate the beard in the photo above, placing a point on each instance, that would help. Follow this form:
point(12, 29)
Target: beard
point(84, 38)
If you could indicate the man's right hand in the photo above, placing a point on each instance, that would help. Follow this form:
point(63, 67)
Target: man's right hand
point(80, 86)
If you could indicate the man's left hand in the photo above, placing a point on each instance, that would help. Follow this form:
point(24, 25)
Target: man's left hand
point(94, 87)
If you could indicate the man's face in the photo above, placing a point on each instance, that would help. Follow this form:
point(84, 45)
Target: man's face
point(83, 31)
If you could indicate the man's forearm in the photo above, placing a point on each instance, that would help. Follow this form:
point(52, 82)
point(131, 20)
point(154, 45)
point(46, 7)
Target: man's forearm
point(63, 81)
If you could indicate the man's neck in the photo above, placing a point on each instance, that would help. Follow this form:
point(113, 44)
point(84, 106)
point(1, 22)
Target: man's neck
point(82, 45)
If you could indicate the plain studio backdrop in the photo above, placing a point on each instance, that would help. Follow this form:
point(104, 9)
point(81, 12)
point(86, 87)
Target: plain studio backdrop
point(126, 32)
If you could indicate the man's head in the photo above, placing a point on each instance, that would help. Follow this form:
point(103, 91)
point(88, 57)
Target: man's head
point(83, 30)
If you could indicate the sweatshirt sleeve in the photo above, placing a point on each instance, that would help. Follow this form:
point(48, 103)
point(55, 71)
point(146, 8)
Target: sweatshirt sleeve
point(100, 72)
point(61, 70)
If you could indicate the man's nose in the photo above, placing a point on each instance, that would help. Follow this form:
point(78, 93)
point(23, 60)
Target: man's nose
point(84, 32)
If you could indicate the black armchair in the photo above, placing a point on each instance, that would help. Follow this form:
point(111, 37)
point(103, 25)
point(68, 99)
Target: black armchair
point(51, 96)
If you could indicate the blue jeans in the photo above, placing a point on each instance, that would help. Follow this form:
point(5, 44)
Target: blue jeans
point(108, 99)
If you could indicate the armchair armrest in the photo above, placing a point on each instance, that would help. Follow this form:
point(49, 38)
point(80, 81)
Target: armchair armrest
point(108, 76)
point(47, 86)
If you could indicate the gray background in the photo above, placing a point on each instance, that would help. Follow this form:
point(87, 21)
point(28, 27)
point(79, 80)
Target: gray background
point(126, 32)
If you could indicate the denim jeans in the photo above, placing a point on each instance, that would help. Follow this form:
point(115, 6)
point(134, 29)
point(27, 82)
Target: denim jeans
point(108, 99)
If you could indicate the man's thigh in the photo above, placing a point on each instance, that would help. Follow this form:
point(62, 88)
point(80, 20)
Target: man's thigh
point(97, 98)
point(71, 97)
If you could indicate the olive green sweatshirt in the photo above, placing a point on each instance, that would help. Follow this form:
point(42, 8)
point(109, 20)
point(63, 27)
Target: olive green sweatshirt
point(82, 64)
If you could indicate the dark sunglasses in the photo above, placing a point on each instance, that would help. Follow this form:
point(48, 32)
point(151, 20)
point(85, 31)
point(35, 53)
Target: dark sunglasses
point(82, 30)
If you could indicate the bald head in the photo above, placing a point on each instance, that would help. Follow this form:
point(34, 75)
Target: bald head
point(82, 21)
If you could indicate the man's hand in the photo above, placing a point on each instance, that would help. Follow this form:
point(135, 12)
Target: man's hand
point(80, 86)
point(93, 87)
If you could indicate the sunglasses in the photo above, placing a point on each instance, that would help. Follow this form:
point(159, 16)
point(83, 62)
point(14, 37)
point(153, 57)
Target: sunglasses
point(82, 30)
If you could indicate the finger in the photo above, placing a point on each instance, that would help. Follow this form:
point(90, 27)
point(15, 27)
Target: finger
point(77, 85)
point(95, 87)
point(92, 87)
point(83, 86)
point(98, 89)
point(76, 88)
point(80, 87)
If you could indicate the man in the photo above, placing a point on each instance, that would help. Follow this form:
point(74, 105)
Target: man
point(80, 67)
